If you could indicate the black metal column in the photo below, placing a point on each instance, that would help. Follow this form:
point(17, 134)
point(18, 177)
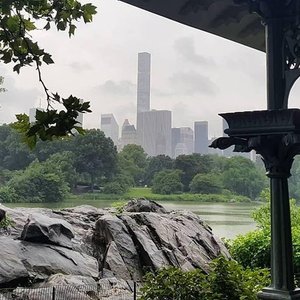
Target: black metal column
point(282, 274)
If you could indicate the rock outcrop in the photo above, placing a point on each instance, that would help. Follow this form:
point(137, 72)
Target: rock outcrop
point(86, 246)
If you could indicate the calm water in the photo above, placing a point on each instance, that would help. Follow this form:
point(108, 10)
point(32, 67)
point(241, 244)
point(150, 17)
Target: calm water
point(226, 219)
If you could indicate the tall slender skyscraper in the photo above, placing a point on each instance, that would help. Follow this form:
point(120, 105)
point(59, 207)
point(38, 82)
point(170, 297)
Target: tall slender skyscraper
point(143, 82)
point(143, 92)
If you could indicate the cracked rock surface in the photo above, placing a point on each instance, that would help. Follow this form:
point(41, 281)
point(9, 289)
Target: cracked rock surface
point(86, 244)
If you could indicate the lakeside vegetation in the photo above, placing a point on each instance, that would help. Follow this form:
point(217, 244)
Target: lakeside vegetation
point(72, 166)
point(89, 167)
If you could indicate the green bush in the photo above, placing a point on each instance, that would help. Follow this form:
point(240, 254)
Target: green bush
point(8, 194)
point(7, 222)
point(252, 249)
point(206, 184)
point(167, 182)
point(37, 184)
point(227, 280)
point(114, 188)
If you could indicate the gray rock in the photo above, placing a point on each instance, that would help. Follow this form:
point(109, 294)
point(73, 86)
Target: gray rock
point(43, 229)
point(109, 228)
point(144, 205)
point(150, 241)
point(20, 259)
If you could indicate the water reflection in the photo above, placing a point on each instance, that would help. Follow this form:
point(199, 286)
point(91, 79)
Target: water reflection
point(226, 219)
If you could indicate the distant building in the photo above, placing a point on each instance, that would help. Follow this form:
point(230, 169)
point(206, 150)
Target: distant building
point(110, 127)
point(143, 89)
point(155, 130)
point(128, 134)
point(175, 139)
point(180, 149)
point(201, 137)
point(182, 141)
point(32, 113)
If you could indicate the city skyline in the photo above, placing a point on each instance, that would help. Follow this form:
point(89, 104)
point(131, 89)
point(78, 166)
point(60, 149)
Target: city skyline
point(194, 74)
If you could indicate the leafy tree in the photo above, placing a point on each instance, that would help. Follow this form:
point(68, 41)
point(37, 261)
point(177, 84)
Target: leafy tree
point(63, 164)
point(155, 165)
point(19, 20)
point(95, 155)
point(242, 177)
point(14, 155)
point(190, 165)
point(206, 184)
point(167, 182)
point(132, 161)
point(36, 184)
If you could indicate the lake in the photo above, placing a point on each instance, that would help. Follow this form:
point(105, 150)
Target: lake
point(226, 219)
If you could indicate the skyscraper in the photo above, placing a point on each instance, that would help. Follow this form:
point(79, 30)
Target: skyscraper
point(128, 135)
point(155, 129)
point(143, 82)
point(182, 141)
point(32, 113)
point(201, 137)
point(143, 91)
point(110, 127)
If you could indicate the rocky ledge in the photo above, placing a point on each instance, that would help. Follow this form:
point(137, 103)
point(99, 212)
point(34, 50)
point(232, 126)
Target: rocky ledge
point(89, 247)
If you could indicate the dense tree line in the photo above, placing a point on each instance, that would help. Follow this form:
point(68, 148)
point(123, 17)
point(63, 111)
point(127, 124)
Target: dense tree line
point(91, 161)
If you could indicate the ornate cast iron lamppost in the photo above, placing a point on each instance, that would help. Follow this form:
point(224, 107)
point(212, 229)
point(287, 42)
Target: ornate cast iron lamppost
point(272, 26)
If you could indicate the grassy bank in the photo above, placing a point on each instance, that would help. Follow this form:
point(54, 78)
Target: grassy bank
point(147, 193)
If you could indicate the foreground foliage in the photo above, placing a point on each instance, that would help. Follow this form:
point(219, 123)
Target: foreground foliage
point(227, 280)
point(19, 21)
point(253, 249)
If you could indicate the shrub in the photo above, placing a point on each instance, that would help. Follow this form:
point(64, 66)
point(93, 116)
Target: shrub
point(8, 194)
point(167, 182)
point(252, 249)
point(37, 184)
point(206, 184)
point(227, 280)
point(113, 188)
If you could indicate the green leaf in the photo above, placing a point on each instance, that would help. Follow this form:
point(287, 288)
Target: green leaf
point(47, 59)
point(47, 26)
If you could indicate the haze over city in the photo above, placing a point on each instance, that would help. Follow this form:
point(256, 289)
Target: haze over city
point(194, 74)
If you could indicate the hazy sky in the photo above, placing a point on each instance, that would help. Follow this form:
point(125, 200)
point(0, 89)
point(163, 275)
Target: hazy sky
point(194, 74)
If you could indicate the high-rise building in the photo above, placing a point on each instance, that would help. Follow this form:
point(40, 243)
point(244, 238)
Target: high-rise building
point(201, 137)
point(128, 134)
point(155, 130)
point(110, 127)
point(143, 90)
point(32, 113)
point(175, 139)
point(143, 82)
point(182, 141)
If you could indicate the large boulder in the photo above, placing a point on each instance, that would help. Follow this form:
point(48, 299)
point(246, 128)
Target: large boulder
point(20, 261)
point(130, 243)
point(144, 205)
point(43, 229)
